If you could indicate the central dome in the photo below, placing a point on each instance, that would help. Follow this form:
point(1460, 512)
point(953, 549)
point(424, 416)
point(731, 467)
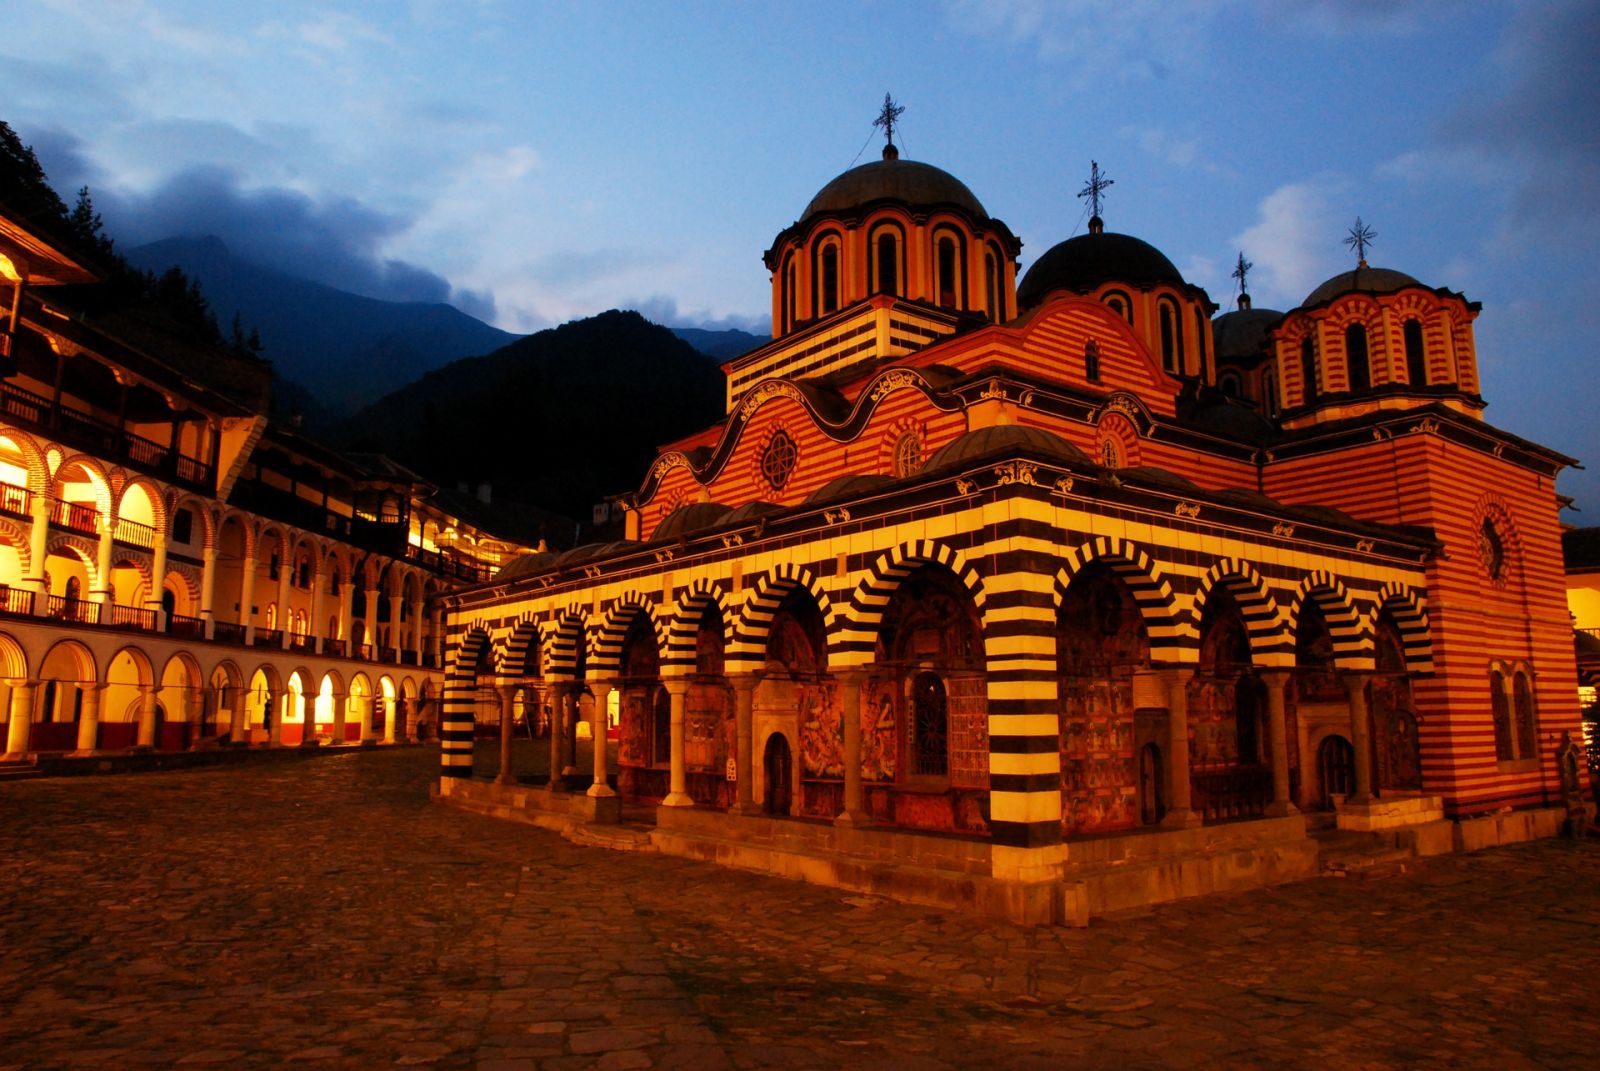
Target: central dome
point(894, 179)
point(1364, 279)
point(1084, 263)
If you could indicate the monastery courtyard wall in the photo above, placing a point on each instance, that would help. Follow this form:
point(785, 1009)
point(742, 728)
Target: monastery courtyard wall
point(324, 914)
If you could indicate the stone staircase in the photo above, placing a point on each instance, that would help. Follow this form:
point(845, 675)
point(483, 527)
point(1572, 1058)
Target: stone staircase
point(19, 771)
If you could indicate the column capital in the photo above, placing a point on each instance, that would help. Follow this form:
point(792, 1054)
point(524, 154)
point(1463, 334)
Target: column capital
point(852, 675)
point(741, 682)
point(675, 686)
point(1275, 677)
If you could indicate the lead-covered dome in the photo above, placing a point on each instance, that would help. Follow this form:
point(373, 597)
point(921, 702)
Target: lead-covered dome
point(1363, 280)
point(894, 179)
point(1089, 261)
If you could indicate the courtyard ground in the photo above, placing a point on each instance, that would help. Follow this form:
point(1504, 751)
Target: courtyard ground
point(325, 913)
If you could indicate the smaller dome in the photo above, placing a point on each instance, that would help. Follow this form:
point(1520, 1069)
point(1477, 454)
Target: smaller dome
point(1086, 262)
point(526, 565)
point(1242, 334)
point(1000, 441)
point(894, 179)
point(847, 487)
point(1364, 280)
point(690, 518)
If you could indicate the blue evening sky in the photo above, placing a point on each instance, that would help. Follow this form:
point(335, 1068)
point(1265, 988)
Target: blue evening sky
point(536, 162)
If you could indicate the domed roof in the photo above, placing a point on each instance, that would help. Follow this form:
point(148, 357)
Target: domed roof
point(1001, 440)
point(1243, 332)
point(894, 179)
point(1083, 263)
point(526, 565)
point(689, 518)
point(1364, 279)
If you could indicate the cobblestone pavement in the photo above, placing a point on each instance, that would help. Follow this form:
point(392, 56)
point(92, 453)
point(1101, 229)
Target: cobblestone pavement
point(326, 914)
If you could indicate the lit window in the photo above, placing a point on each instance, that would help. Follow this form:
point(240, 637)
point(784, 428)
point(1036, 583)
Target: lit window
point(778, 460)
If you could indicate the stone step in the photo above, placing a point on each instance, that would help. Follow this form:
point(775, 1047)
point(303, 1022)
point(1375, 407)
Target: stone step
point(19, 771)
point(1343, 853)
point(619, 838)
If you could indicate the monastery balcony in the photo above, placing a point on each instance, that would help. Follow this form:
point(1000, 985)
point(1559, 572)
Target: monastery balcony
point(450, 562)
point(103, 439)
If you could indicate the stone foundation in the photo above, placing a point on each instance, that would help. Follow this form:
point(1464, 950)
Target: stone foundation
point(536, 806)
point(1390, 813)
point(1510, 827)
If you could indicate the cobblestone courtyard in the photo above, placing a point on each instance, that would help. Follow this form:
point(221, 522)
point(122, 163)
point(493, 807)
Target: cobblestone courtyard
point(325, 914)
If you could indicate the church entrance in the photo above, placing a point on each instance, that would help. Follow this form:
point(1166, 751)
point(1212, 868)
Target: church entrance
point(1152, 806)
point(776, 767)
point(1336, 770)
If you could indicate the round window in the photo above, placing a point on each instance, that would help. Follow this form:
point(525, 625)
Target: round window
point(778, 460)
point(908, 454)
point(1492, 548)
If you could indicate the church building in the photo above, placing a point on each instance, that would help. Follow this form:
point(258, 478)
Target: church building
point(1047, 596)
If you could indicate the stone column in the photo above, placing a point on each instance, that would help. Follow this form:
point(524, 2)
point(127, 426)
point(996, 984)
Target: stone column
point(395, 626)
point(416, 630)
point(678, 796)
point(553, 694)
point(601, 690)
point(507, 692)
point(342, 593)
point(314, 625)
point(308, 725)
point(391, 716)
point(285, 621)
point(103, 594)
point(1276, 680)
point(370, 623)
point(158, 576)
point(855, 808)
point(570, 707)
point(38, 548)
point(89, 720)
point(340, 707)
point(1355, 685)
point(744, 694)
point(208, 591)
point(239, 723)
point(21, 721)
point(437, 636)
point(247, 598)
point(147, 716)
point(1179, 814)
point(364, 716)
point(279, 716)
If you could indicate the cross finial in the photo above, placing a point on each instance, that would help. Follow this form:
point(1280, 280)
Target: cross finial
point(1095, 191)
point(888, 116)
point(1361, 236)
point(1240, 270)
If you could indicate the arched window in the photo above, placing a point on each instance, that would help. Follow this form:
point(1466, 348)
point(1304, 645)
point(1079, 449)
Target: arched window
point(1119, 303)
point(1171, 338)
point(1357, 362)
point(1416, 356)
point(827, 277)
point(1110, 453)
point(788, 295)
point(1269, 392)
point(991, 285)
point(1522, 706)
point(949, 283)
point(1505, 747)
point(1091, 361)
point(908, 454)
point(1308, 369)
point(887, 270)
point(1202, 331)
point(1228, 383)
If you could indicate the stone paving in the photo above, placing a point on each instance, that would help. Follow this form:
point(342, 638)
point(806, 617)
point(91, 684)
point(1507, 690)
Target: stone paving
point(327, 914)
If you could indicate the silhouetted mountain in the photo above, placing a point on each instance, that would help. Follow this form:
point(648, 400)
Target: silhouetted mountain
point(721, 345)
point(345, 350)
point(558, 419)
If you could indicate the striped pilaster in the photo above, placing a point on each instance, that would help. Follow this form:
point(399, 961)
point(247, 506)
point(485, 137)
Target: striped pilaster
point(460, 701)
point(1024, 725)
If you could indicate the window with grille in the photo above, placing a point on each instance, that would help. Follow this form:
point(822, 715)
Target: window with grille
point(778, 460)
point(908, 454)
point(930, 726)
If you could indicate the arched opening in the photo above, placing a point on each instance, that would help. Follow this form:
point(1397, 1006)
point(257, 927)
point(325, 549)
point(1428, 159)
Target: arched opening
point(1121, 304)
point(708, 723)
point(1336, 771)
point(827, 276)
point(1358, 364)
point(788, 296)
point(1308, 370)
point(1171, 337)
point(1152, 785)
point(58, 702)
point(886, 262)
point(1416, 355)
point(644, 737)
point(797, 699)
point(1101, 640)
point(1317, 697)
point(949, 275)
point(1398, 765)
point(1226, 710)
point(991, 286)
point(1526, 723)
point(777, 766)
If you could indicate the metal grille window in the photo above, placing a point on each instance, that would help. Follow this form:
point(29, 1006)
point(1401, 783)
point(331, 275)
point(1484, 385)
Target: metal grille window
point(908, 454)
point(931, 726)
point(778, 460)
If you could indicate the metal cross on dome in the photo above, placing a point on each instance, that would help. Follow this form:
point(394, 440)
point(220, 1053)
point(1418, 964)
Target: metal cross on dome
point(1096, 188)
point(1241, 270)
point(887, 117)
point(1361, 236)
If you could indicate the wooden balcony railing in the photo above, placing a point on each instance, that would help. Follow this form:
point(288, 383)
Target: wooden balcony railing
point(140, 535)
point(82, 611)
point(15, 500)
point(79, 516)
point(227, 632)
point(192, 628)
point(269, 637)
point(130, 617)
point(15, 600)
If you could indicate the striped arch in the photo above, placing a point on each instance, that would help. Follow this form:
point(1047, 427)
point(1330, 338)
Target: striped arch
point(32, 458)
point(17, 538)
point(1172, 637)
point(1352, 641)
point(748, 647)
point(250, 538)
point(158, 503)
point(206, 522)
point(606, 649)
point(186, 578)
point(564, 636)
point(279, 536)
point(1410, 614)
point(523, 649)
point(853, 643)
point(1271, 643)
point(77, 547)
point(99, 479)
point(684, 625)
point(139, 564)
point(462, 665)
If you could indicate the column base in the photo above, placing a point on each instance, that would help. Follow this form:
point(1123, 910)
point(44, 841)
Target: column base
point(601, 792)
point(678, 799)
point(81, 753)
point(558, 786)
point(1281, 809)
point(14, 756)
point(313, 742)
point(506, 779)
point(569, 771)
point(746, 810)
point(853, 819)
point(1182, 818)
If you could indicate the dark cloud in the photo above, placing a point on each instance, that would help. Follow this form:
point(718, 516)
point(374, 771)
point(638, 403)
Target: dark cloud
point(1541, 125)
point(64, 161)
point(335, 241)
point(578, 267)
point(663, 310)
